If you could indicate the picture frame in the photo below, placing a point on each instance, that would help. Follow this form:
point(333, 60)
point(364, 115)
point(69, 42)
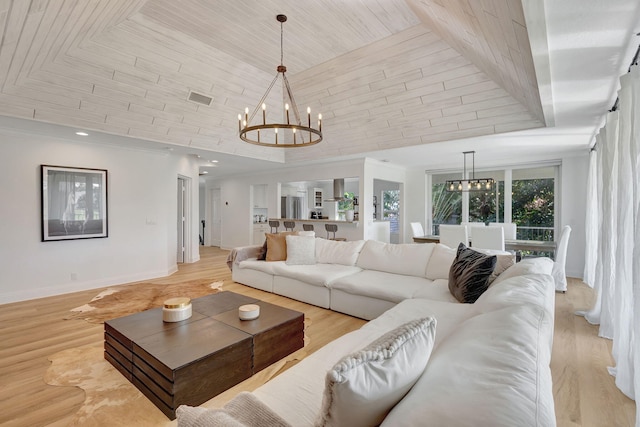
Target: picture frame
point(74, 203)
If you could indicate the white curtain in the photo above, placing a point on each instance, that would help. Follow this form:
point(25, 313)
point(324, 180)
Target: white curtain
point(591, 222)
point(614, 176)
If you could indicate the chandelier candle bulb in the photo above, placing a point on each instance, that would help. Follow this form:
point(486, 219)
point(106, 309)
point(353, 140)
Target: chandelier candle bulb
point(286, 107)
point(309, 115)
point(264, 114)
point(320, 122)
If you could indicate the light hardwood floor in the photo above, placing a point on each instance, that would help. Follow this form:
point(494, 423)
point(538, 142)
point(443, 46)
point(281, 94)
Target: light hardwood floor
point(585, 394)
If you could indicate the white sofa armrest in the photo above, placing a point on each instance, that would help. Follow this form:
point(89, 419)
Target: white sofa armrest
point(239, 254)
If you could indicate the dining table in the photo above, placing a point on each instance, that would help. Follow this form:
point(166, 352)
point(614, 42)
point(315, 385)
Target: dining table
point(509, 244)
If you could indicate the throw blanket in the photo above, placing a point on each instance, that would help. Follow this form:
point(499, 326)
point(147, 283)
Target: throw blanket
point(245, 410)
point(237, 255)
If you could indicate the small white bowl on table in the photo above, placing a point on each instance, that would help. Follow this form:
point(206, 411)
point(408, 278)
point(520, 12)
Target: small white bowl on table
point(249, 311)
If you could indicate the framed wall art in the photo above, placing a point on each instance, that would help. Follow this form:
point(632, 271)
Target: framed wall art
point(74, 203)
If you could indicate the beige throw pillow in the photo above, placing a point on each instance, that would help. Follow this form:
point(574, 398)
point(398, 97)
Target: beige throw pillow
point(277, 246)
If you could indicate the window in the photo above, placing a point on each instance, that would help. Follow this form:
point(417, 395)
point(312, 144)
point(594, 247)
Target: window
point(531, 202)
point(446, 208)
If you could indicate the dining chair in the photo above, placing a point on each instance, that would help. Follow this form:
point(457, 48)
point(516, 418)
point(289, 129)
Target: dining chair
point(307, 227)
point(558, 272)
point(510, 229)
point(469, 225)
point(274, 226)
point(416, 229)
point(289, 225)
point(488, 238)
point(453, 235)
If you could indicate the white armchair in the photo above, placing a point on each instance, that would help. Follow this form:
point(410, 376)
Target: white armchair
point(558, 272)
point(453, 235)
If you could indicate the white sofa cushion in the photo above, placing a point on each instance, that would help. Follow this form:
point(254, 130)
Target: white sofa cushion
point(364, 386)
point(440, 262)
point(493, 370)
point(301, 250)
point(408, 259)
point(265, 267)
point(531, 289)
point(338, 252)
point(317, 274)
point(380, 285)
point(541, 265)
point(437, 290)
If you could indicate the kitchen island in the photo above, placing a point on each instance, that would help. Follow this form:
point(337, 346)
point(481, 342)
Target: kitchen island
point(347, 229)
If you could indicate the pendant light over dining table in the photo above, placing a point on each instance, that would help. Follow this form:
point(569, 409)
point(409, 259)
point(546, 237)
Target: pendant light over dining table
point(466, 183)
point(291, 132)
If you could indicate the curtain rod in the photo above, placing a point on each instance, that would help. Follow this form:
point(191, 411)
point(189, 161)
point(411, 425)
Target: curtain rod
point(634, 61)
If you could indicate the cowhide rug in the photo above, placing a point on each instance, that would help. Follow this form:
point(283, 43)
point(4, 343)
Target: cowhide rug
point(123, 300)
point(111, 400)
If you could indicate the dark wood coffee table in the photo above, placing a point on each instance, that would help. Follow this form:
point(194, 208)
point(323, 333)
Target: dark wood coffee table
point(191, 361)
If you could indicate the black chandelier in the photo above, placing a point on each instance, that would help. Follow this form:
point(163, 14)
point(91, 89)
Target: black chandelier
point(469, 184)
point(291, 132)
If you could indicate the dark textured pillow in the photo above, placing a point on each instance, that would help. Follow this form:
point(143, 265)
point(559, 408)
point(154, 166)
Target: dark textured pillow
point(469, 274)
point(262, 252)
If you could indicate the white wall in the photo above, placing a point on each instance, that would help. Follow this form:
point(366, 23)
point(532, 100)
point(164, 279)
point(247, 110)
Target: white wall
point(142, 214)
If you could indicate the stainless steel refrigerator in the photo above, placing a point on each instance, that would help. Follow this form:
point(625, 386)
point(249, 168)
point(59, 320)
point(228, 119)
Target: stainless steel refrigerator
point(291, 207)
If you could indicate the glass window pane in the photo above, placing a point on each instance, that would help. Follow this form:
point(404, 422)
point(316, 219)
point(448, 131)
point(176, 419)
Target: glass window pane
point(533, 203)
point(446, 207)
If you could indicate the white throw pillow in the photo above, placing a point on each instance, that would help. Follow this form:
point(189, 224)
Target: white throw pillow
point(363, 387)
point(301, 250)
point(309, 233)
point(338, 252)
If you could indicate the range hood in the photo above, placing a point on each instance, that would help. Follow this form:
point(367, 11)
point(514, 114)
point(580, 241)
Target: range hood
point(338, 191)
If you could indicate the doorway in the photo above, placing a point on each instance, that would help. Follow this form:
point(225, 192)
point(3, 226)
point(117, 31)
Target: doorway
point(183, 246)
point(216, 218)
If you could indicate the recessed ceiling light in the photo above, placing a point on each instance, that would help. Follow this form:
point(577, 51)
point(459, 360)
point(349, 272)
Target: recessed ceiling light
point(82, 133)
point(213, 161)
point(205, 172)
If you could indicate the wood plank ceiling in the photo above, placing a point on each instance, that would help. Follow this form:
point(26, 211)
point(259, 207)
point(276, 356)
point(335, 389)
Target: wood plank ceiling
point(383, 73)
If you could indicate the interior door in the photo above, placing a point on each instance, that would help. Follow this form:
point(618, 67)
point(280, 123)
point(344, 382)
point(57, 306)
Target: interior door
point(216, 219)
point(181, 219)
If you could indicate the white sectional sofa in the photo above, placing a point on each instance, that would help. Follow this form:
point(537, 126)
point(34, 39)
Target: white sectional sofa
point(489, 363)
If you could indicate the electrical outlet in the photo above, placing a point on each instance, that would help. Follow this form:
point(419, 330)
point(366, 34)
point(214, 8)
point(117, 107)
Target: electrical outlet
point(74, 276)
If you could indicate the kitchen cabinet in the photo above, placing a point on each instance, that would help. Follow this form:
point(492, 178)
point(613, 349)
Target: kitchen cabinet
point(258, 233)
point(316, 199)
point(260, 196)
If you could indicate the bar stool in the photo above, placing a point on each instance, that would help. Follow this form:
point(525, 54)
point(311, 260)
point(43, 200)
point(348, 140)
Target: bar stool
point(307, 227)
point(332, 228)
point(289, 225)
point(274, 224)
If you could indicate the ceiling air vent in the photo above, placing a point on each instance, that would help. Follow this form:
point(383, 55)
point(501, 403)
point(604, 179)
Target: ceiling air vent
point(199, 98)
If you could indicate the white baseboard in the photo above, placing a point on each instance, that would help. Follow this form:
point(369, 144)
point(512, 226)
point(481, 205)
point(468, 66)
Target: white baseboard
point(66, 288)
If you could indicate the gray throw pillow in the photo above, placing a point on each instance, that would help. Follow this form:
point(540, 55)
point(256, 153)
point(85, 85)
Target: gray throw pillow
point(469, 274)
